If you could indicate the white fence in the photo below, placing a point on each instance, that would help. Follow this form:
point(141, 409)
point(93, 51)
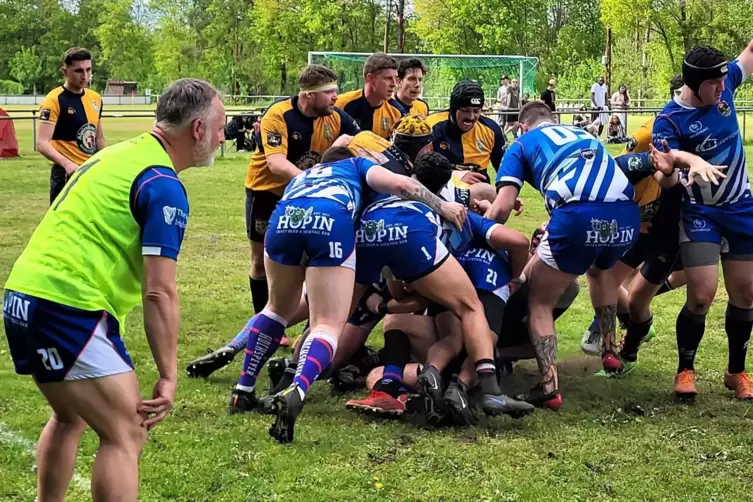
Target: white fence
point(107, 100)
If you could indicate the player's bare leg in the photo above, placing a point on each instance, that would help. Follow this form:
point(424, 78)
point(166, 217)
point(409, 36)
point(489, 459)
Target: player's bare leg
point(108, 405)
point(604, 290)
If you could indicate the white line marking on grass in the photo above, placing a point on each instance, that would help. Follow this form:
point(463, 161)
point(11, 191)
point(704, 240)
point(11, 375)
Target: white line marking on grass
point(8, 436)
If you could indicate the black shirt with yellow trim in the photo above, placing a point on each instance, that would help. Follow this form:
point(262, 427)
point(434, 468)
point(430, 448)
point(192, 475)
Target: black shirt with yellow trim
point(76, 118)
point(476, 150)
point(380, 120)
point(303, 140)
point(419, 107)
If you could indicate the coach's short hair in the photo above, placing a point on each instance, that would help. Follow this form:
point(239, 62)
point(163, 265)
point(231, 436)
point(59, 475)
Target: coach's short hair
point(315, 74)
point(410, 64)
point(184, 101)
point(534, 112)
point(379, 62)
point(76, 54)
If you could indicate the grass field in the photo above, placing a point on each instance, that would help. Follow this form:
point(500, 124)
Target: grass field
point(612, 441)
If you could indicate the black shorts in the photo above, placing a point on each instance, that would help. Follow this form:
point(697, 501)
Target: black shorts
point(259, 208)
point(659, 249)
point(58, 179)
point(514, 329)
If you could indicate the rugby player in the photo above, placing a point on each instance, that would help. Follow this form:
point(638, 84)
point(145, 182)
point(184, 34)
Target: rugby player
point(109, 242)
point(594, 221)
point(314, 239)
point(373, 107)
point(468, 139)
point(293, 134)
point(410, 82)
point(70, 126)
point(702, 122)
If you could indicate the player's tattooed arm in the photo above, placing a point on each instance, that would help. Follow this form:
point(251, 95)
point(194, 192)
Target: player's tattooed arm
point(546, 358)
point(607, 316)
point(450, 211)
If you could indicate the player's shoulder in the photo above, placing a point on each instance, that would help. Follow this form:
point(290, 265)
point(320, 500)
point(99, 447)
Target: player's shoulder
point(437, 118)
point(162, 182)
point(279, 108)
point(421, 106)
point(368, 140)
point(490, 124)
point(55, 93)
point(92, 94)
point(347, 97)
point(393, 103)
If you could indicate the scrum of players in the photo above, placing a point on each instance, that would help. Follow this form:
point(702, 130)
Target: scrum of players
point(361, 208)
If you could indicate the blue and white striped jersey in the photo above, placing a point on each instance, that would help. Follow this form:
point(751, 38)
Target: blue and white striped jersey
point(565, 164)
point(343, 181)
point(712, 133)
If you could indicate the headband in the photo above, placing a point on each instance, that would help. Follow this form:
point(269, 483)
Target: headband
point(329, 86)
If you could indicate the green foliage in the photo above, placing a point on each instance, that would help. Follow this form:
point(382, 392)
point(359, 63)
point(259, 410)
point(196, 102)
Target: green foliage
point(10, 87)
point(26, 67)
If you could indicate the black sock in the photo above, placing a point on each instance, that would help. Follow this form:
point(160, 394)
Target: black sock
point(368, 363)
point(487, 377)
point(624, 318)
point(737, 323)
point(396, 355)
point(635, 333)
point(259, 293)
point(690, 328)
point(666, 287)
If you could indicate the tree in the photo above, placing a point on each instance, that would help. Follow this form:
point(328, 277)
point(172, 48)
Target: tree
point(26, 67)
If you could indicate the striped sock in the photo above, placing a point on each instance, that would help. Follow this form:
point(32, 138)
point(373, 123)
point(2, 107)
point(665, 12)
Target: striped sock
point(265, 331)
point(316, 354)
point(241, 339)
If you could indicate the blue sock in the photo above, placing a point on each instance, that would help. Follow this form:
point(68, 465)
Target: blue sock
point(594, 328)
point(265, 331)
point(316, 354)
point(241, 339)
point(392, 380)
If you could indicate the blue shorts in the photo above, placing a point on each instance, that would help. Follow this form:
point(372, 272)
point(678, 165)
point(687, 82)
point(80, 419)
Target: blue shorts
point(403, 240)
point(731, 222)
point(582, 234)
point(312, 233)
point(54, 342)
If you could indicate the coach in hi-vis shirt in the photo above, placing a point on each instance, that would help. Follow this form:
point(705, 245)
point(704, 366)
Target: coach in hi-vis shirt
point(70, 130)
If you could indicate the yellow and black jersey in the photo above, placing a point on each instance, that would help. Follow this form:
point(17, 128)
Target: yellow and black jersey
point(476, 150)
point(285, 130)
point(368, 145)
point(647, 191)
point(419, 107)
point(76, 118)
point(381, 120)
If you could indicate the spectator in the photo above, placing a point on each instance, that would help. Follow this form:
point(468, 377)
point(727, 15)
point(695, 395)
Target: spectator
point(549, 97)
point(581, 121)
point(621, 101)
point(513, 104)
point(599, 102)
point(501, 103)
point(616, 131)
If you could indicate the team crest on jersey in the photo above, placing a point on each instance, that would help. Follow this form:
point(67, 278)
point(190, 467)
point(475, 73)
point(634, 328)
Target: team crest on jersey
point(634, 163)
point(631, 144)
point(169, 214)
point(480, 146)
point(385, 124)
point(444, 146)
point(86, 139)
point(327, 132)
point(296, 136)
point(724, 109)
point(699, 224)
point(696, 126)
point(45, 114)
point(71, 111)
point(588, 153)
point(308, 160)
point(274, 139)
point(95, 105)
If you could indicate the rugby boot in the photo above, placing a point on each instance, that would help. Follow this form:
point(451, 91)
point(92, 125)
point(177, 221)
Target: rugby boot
point(205, 365)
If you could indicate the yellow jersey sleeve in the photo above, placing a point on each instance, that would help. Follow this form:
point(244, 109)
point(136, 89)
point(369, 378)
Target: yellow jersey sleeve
point(420, 108)
point(274, 134)
point(49, 110)
point(641, 139)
